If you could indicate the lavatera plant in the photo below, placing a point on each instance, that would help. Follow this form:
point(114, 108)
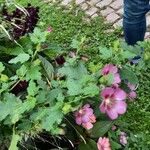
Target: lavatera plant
point(44, 89)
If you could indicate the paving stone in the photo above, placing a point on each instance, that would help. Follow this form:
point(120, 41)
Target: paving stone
point(91, 11)
point(109, 31)
point(120, 11)
point(113, 17)
point(84, 6)
point(147, 35)
point(78, 2)
point(118, 24)
point(106, 11)
point(93, 2)
point(103, 3)
point(117, 4)
point(148, 20)
point(66, 2)
point(112, 10)
point(95, 15)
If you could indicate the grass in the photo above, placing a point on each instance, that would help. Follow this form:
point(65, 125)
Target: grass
point(138, 116)
point(71, 25)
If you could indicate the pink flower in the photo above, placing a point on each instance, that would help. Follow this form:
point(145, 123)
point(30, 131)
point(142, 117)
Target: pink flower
point(85, 117)
point(123, 138)
point(49, 29)
point(113, 103)
point(132, 87)
point(132, 94)
point(110, 68)
point(103, 144)
point(113, 128)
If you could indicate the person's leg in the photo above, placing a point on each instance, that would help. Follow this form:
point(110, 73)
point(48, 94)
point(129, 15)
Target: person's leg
point(134, 20)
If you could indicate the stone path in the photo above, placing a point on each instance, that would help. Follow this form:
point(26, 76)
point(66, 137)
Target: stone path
point(112, 10)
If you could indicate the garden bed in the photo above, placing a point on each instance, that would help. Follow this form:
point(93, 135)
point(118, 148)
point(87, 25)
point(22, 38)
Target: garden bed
point(68, 85)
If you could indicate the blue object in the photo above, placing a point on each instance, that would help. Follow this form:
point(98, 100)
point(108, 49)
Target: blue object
point(134, 20)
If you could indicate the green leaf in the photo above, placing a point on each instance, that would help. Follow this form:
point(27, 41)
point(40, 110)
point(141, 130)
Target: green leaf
point(20, 58)
point(1, 67)
point(105, 53)
point(21, 71)
point(54, 117)
point(38, 36)
point(53, 94)
point(90, 145)
point(22, 108)
point(9, 104)
point(25, 125)
point(74, 72)
point(15, 139)
point(32, 88)
point(4, 87)
point(110, 78)
point(127, 74)
point(91, 90)
point(14, 108)
point(39, 115)
point(100, 128)
point(47, 66)
point(16, 51)
point(75, 44)
point(33, 73)
point(114, 145)
point(41, 97)
point(4, 78)
point(74, 87)
point(128, 54)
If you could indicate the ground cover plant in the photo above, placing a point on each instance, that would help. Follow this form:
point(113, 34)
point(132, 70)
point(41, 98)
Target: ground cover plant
point(59, 78)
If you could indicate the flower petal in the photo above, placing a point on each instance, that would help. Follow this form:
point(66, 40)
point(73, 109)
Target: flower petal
point(132, 95)
point(109, 68)
point(119, 94)
point(102, 107)
point(112, 113)
point(113, 69)
point(131, 86)
point(85, 118)
point(86, 106)
point(120, 107)
point(107, 92)
point(78, 120)
point(87, 125)
point(92, 119)
point(117, 78)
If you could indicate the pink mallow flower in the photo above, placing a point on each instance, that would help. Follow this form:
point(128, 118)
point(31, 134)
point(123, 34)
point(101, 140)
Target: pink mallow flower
point(49, 29)
point(85, 117)
point(132, 94)
point(113, 128)
point(103, 144)
point(123, 138)
point(113, 103)
point(110, 68)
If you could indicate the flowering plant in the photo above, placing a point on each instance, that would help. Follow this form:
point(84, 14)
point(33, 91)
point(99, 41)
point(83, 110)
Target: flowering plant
point(45, 89)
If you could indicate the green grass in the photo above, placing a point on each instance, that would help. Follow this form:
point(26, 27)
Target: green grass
point(71, 25)
point(138, 114)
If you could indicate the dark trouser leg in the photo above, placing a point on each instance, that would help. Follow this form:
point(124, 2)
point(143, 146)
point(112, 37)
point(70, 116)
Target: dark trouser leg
point(134, 21)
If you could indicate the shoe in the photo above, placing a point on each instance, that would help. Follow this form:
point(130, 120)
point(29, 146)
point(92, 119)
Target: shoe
point(135, 60)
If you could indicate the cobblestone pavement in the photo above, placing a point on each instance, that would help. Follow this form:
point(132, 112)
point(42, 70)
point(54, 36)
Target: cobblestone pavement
point(112, 10)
